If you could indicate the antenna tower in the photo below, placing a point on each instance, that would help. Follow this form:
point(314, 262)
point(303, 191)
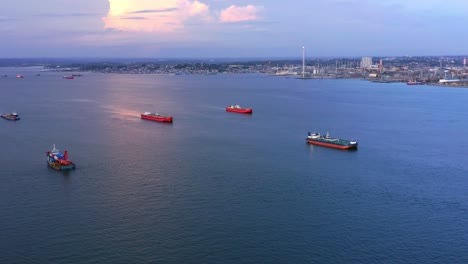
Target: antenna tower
point(303, 62)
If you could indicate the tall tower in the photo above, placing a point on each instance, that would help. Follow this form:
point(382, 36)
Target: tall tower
point(381, 66)
point(303, 62)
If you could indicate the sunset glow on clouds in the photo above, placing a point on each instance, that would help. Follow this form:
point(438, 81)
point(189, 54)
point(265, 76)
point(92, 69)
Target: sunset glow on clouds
point(167, 16)
point(240, 13)
point(153, 16)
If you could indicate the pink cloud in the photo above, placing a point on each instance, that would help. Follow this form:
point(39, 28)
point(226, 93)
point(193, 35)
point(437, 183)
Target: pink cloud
point(195, 8)
point(153, 16)
point(240, 13)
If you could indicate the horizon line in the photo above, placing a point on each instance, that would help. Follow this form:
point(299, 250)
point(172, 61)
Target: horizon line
point(230, 58)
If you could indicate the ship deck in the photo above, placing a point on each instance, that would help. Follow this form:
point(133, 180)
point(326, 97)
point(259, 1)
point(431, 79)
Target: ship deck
point(336, 141)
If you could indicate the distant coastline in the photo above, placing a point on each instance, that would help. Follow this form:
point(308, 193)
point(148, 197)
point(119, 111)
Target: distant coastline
point(440, 71)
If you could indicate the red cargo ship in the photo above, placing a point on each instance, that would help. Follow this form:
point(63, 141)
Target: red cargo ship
point(238, 109)
point(156, 117)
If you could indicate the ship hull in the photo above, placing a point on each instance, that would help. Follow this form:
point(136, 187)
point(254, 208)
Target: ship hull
point(61, 167)
point(164, 119)
point(331, 145)
point(241, 111)
point(10, 118)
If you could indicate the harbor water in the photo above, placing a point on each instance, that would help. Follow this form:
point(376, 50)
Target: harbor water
point(219, 187)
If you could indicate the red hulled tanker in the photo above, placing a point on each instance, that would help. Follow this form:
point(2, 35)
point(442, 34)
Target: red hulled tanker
point(156, 117)
point(238, 109)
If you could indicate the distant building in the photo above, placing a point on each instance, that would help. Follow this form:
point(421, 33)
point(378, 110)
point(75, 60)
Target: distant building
point(366, 62)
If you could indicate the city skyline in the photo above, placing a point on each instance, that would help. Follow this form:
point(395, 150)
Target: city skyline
point(228, 28)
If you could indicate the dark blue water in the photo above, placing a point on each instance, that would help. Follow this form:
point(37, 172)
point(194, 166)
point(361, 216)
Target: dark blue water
point(218, 187)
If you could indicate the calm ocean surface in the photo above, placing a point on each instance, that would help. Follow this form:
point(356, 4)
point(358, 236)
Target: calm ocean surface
point(218, 187)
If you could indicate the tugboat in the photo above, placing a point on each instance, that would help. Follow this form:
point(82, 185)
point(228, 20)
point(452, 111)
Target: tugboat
point(58, 160)
point(70, 77)
point(11, 117)
point(238, 109)
point(156, 117)
point(330, 142)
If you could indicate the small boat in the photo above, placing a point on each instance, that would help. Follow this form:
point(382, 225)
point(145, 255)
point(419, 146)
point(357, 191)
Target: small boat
point(4, 75)
point(11, 117)
point(328, 141)
point(70, 77)
point(58, 160)
point(76, 75)
point(19, 76)
point(414, 83)
point(238, 109)
point(38, 74)
point(156, 117)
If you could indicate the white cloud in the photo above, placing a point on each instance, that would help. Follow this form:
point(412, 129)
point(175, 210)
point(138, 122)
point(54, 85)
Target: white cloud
point(240, 13)
point(154, 16)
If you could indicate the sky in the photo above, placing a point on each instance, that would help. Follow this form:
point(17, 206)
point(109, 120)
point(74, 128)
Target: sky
point(232, 28)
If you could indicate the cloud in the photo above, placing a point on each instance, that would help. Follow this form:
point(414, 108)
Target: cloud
point(195, 8)
point(235, 13)
point(134, 18)
point(154, 16)
point(67, 15)
point(154, 11)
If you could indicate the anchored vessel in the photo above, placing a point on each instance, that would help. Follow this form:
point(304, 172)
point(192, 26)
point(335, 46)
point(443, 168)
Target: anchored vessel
point(328, 141)
point(238, 109)
point(58, 160)
point(69, 77)
point(11, 117)
point(156, 117)
point(19, 76)
point(414, 83)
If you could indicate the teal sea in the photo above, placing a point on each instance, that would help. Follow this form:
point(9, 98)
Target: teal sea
point(219, 187)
